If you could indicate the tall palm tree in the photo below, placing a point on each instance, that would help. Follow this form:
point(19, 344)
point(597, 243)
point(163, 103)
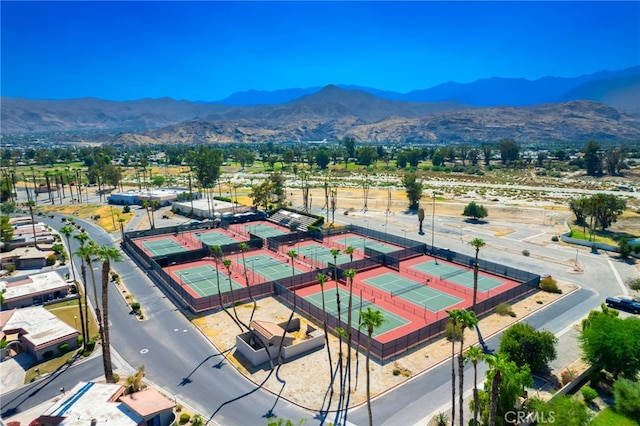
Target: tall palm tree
point(498, 366)
point(349, 274)
point(217, 252)
point(474, 354)
point(477, 243)
point(322, 278)
point(466, 319)
point(147, 206)
point(82, 238)
point(67, 231)
point(243, 247)
point(339, 330)
point(454, 315)
point(107, 255)
point(371, 319)
point(227, 264)
point(349, 250)
point(31, 204)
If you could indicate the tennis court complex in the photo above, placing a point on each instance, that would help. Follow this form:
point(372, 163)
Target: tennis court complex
point(391, 320)
point(215, 239)
point(414, 292)
point(361, 243)
point(323, 254)
point(269, 267)
point(263, 231)
point(458, 275)
point(163, 246)
point(203, 280)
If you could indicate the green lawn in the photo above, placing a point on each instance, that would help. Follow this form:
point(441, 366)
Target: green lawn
point(579, 234)
point(608, 417)
point(67, 311)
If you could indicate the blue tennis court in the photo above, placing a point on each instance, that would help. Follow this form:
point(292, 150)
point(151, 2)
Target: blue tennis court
point(215, 238)
point(391, 320)
point(414, 292)
point(263, 231)
point(361, 243)
point(162, 247)
point(458, 275)
point(323, 254)
point(269, 267)
point(204, 281)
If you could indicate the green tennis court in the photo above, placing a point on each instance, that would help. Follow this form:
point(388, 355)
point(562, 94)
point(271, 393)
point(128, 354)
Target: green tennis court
point(391, 320)
point(162, 247)
point(215, 239)
point(323, 254)
point(414, 292)
point(203, 280)
point(263, 231)
point(269, 267)
point(458, 275)
point(361, 243)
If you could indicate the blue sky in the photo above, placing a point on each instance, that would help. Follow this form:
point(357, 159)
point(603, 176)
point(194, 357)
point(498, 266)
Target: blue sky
point(209, 50)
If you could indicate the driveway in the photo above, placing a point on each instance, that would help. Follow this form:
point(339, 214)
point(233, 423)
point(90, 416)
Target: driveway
point(12, 371)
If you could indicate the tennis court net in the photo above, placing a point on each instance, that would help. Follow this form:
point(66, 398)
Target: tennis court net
point(406, 289)
point(452, 274)
point(355, 307)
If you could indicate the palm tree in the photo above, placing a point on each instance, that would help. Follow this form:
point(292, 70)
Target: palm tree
point(498, 365)
point(370, 319)
point(82, 239)
point(147, 206)
point(477, 243)
point(474, 354)
point(350, 274)
point(227, 264)
point(349, 250)
point(107, 255)
point(454, 316)
point(217, 252)
point(466, 319)
point(322, 278)
point(31, 204)
point(243, 247)
point(67, 231)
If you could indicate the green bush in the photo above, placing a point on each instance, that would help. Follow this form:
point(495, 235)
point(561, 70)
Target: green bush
point(504, 309)
point(10, 267)
point(79, 340)
point(626, 395)
point(554, 238)
point(126, 209)
point(64, 347)
point(588, 393)
point(550, 285)
point(451, 333)
point(184, 418)
point(47, 354)
point(91, 345)
point(52, 259)
point(135, 306)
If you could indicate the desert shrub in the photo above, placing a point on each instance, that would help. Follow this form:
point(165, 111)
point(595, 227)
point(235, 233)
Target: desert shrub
point(184, 418)
point(126, 209)
point(504, 309)
point(178, 408)
point(197, 420)
point(626, 395)
point(396, 371)
point(633, 283)
point(63, 347)
point(52, 259)
point(588, 393)
point(525, 252)
point(135, 306)
point(554, 238)
point(451, 333)
point(10, 267)
point(550, 285)
point(567, 376)
point(47, 354)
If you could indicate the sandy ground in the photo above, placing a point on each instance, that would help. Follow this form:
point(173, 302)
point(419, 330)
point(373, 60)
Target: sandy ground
point(305, 380)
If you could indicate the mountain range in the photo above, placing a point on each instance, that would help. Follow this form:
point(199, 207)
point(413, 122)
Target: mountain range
point(603, 106)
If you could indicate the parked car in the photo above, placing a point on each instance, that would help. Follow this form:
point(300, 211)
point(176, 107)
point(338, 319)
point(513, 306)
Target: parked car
point(624, 304)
